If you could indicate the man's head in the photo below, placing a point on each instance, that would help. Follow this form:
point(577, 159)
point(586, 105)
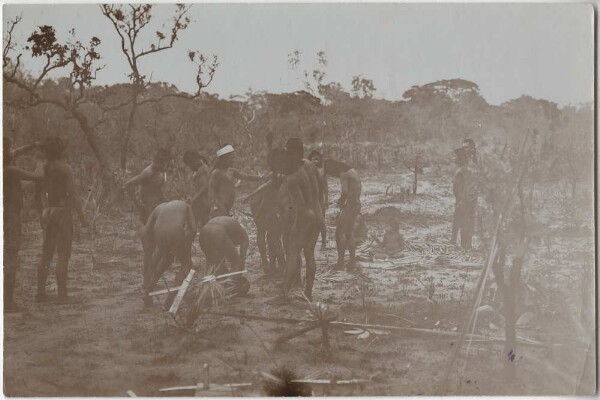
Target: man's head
point(193, 160)
point(460, 156)
point(7, 150)
point(162, 159)
point(316, 158)
point(335, 168)
point(54, 148)
point(295, 148)
point(281, 162)
point(224, 157)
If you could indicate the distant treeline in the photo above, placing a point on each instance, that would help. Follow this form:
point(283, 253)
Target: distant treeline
point(431, 119)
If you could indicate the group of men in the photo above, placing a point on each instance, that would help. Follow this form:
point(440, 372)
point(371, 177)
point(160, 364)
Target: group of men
point(288, 209)
point(56, 197)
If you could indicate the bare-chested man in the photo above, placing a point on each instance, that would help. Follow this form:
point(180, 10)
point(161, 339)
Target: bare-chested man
point(219, 240)
point(295, 149)
point(167, 235)
point(151, 181)
point(200, 176)
point(302, 224)
point(317, 159)
point(349, 204)
point(60, 198)
point(13, 203)
point(221, 186)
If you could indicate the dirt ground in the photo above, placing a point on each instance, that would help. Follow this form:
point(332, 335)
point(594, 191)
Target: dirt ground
point(105, 342)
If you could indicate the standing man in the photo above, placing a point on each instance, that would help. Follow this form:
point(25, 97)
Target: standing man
point(470, 150)
point(13, 203)
point(349, 204)
point(465, 192)
point(317, 159)
point(200, 176)
point(60, 199)
point(151, 181)
point(221, 186)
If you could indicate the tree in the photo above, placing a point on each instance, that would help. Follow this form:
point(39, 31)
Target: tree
point(79, 60)
point(130, 22)
point(362, 88)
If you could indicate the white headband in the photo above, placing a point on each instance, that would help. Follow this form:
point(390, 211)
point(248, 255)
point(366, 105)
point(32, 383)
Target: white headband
point(225, 150)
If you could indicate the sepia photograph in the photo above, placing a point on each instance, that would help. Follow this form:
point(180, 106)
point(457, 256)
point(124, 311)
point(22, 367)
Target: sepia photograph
point(285, 199)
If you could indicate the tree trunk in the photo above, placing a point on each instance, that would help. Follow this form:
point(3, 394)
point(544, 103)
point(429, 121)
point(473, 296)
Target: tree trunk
point(510, 296)
point(127, 133)
point(92, 140)
point(415, 181)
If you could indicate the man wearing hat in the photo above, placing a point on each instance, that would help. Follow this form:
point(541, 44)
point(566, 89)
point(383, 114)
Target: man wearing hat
point(221, 185)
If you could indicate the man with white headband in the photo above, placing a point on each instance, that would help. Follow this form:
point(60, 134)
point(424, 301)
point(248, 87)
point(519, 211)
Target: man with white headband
point(221, 185)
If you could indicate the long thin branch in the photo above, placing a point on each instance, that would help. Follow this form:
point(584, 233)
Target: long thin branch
point(174, 32)
point(107, 12)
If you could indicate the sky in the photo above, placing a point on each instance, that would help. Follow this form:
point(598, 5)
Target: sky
point(541, 50)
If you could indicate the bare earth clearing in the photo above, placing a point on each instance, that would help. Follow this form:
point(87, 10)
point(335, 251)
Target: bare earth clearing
point(106, 343)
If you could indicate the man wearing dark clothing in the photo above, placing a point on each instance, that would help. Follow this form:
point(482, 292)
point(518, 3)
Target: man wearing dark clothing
point(466, 199)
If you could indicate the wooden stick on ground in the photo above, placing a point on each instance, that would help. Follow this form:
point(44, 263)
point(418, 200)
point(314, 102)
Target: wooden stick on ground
point(314, 325)
point(164, 291)
point(181, 292)
point(420, 332)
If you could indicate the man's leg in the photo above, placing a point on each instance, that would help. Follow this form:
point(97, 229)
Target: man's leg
point(163, 264)
point(262, 246)
point(340, 239)
point(49, 244)
point(466, 232)
point(184, 256)
point(323, 234)
point(311, 264)
point(64, 245)
point(150, 267)
point(12, 244)
point(293, 260)
point(11, 265)
point(455, 224)
point(276, 255)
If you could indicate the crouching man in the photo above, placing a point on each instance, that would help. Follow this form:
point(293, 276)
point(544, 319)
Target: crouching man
point(219, 240)
point(167, 235)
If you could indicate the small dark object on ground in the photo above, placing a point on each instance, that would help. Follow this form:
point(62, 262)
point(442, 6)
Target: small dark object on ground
point(283, 386)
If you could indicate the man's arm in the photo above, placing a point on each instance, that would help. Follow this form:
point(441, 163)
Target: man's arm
point(24, 149)
point(138, 179)
point(344, 194)
point(245, 177)
point(73, 195)
point(25, 175)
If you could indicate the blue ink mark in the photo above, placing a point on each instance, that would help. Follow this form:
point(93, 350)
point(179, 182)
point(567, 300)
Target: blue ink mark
point(511, 356)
